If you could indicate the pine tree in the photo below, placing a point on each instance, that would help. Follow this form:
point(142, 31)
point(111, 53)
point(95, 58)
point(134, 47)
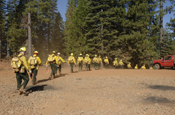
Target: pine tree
point(168, 44)
point(70, 38)
point(3, 41)
point(57, 40)
point(136, 40)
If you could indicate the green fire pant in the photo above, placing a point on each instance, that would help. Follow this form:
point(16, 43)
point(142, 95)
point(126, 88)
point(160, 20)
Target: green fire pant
point(34, 74)
point(54, 69)
point(88, 67)
point(115, 67)
point(106, 65)
point(20, 77)
point(121, 67)
point(95, 65)
point(80, 66)
point(99, 65)
point(59, 68)
point(71, 67)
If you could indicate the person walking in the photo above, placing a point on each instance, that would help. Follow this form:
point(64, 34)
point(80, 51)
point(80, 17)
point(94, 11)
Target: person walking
point(80, 62)
point(34, 63)
point(96, 62)
point(115, 63)
point(129, 65)
point(121, 64)
point(72, 62)
point(100, 62)
point(52, 60)
point(60, 60)
point(106, 62)
point(21, 68)
point(87, 62)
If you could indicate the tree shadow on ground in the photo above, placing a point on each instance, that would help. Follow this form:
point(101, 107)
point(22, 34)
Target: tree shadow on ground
point(162, 87)
point(39, 88)
point(75, 71)
point(43, 80)
point(62, 75)
point(153, 99)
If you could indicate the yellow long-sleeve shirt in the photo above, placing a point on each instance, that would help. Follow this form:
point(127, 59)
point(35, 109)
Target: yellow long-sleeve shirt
point(24, 62)
point(106, 61)
point(129, 65)
point(80, 59)
point(55, 59)
point(95, 60)
point(71, 59)
point(87, 60)
point(136, 67)
point(115, 63)
point(100, 60)
point(60, 59)
point(38, 62)
point(121, 63)
point(143, 67)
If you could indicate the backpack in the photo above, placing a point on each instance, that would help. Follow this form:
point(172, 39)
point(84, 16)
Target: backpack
point(86, 60)
point(32, 60)
point(71, 60)
point(51, 58)
point(16, 63)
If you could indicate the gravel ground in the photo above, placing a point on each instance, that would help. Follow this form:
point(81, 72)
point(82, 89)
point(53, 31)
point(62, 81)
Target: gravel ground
point(96, 92)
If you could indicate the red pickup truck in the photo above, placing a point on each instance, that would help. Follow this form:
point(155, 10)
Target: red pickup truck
point(167, 61)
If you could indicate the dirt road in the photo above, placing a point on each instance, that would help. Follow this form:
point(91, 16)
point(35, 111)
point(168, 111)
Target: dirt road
point(96, 92)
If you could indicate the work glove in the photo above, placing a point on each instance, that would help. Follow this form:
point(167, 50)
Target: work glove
point(30, 72)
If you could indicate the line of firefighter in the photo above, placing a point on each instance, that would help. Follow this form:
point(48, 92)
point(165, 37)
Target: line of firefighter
point(25, 70)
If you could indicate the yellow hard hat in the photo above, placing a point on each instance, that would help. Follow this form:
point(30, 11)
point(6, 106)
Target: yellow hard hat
point(71, 54)
point(80, 54)
point(86, 54)
point(115, 58)
point(53, 52)
point(95, 55)
point(22, 49)
point(58, 53)
point(106, 57)
point(99, 56)
point(36, 52)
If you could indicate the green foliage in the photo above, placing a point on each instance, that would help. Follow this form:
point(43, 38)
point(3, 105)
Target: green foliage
point(168, 45)
point(3, 43)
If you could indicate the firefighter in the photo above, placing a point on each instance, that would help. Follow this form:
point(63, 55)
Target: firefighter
point(53, 61)
point(115, 63)
point(121, 64)
point(143, 67)
point(136, 67)
point(95, 61)
point(80, 62)
point(87, 62)
point(151, 67)
point(106, 62)
point(100, 62)
point(21, 73)
point(60, 60)
point(129, 65)
point(34, 63)
point(71, 61)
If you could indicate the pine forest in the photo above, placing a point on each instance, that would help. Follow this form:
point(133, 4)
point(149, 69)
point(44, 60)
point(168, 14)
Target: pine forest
point(130, 30)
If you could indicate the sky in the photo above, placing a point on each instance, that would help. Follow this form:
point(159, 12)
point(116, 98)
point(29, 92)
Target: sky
point(62, 7)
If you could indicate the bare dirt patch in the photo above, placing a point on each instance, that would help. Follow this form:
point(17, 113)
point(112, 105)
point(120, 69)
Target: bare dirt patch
point(95, 92)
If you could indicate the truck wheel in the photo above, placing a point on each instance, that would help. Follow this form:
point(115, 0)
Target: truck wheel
point(157, 66)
